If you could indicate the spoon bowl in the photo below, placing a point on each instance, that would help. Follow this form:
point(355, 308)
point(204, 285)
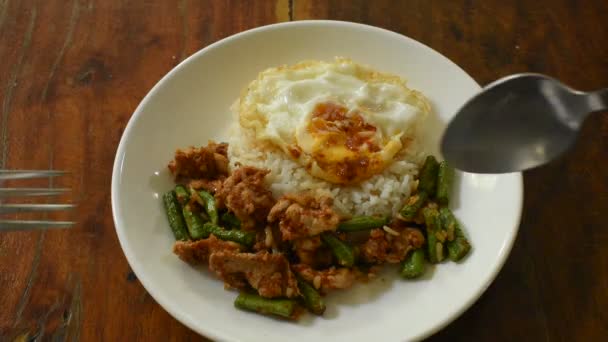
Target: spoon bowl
point(517, 123)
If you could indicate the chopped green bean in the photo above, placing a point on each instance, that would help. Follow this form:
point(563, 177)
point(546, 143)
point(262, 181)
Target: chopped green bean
point(434, 235)
point(445, 178)
point(362, 223)
point(428, 176)
point(207, 201)
point(312, 299)
point(183, 196)
point(448, 222)
point(458, 246)
point(174, 215)
point(194, 222)
point(413, 266)
point(458, 249)
point(279, 307)
point(244, 238)
point(413, 205)
point(344, 253)
point(230, 220)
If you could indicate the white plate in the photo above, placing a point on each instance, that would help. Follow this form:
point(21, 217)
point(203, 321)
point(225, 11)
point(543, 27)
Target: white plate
point(191, 104)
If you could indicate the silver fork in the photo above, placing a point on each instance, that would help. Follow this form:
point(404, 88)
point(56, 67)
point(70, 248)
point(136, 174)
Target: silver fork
point(6, 225)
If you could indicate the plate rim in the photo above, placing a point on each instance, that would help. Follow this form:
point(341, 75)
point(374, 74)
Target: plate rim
point(211, 332)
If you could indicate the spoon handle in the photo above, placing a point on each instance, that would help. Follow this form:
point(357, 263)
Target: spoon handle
point(598, 100)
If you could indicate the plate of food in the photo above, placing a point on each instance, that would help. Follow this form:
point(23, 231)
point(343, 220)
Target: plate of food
point(285, 183)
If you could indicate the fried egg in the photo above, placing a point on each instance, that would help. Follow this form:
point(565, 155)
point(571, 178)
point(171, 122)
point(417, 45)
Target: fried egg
point(342, 121)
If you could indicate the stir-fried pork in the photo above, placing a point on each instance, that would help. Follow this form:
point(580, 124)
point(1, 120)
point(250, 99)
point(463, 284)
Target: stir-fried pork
point(268, 273)
point(246, 195)
point(197, 252)
point(209, 162)
point(390, 245)
point(328, 279)
point(310, 251)
point(303, 215)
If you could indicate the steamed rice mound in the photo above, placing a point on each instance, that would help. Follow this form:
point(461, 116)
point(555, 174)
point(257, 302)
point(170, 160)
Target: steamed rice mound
point(382, 194)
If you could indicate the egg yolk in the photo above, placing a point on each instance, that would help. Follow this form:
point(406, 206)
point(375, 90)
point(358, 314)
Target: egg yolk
point(330, 122)
point(344, 144)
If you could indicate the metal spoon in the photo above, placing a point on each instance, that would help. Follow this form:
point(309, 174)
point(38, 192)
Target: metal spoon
point(517, 123)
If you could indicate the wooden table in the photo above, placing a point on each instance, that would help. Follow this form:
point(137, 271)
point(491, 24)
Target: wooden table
point(72, 72)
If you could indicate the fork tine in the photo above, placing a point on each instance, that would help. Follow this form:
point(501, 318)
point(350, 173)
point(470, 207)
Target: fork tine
point(20, 208)
point(8, 192)
point(24, 174)
point(31, 225)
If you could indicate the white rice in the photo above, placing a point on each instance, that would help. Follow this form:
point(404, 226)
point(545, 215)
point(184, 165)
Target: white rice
point(381, 194)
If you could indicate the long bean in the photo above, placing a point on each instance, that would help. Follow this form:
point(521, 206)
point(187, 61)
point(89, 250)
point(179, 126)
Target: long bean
point(183, 196)
point(433, 235)
point(344, 253)
point(458, 249)
point(174, 215)
point(362, 223)
point(230, 220)
point(414, 265)
point(448, 222)
point(279, 307)
point(194, 222)
point(445, 178)
point(312, 299)
point(244, 238)
point(207, 201)
point(428, 176)
point(413, 205)
point(458, 246)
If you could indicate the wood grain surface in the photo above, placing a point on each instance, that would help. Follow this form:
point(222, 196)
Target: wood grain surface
point(73, 71)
